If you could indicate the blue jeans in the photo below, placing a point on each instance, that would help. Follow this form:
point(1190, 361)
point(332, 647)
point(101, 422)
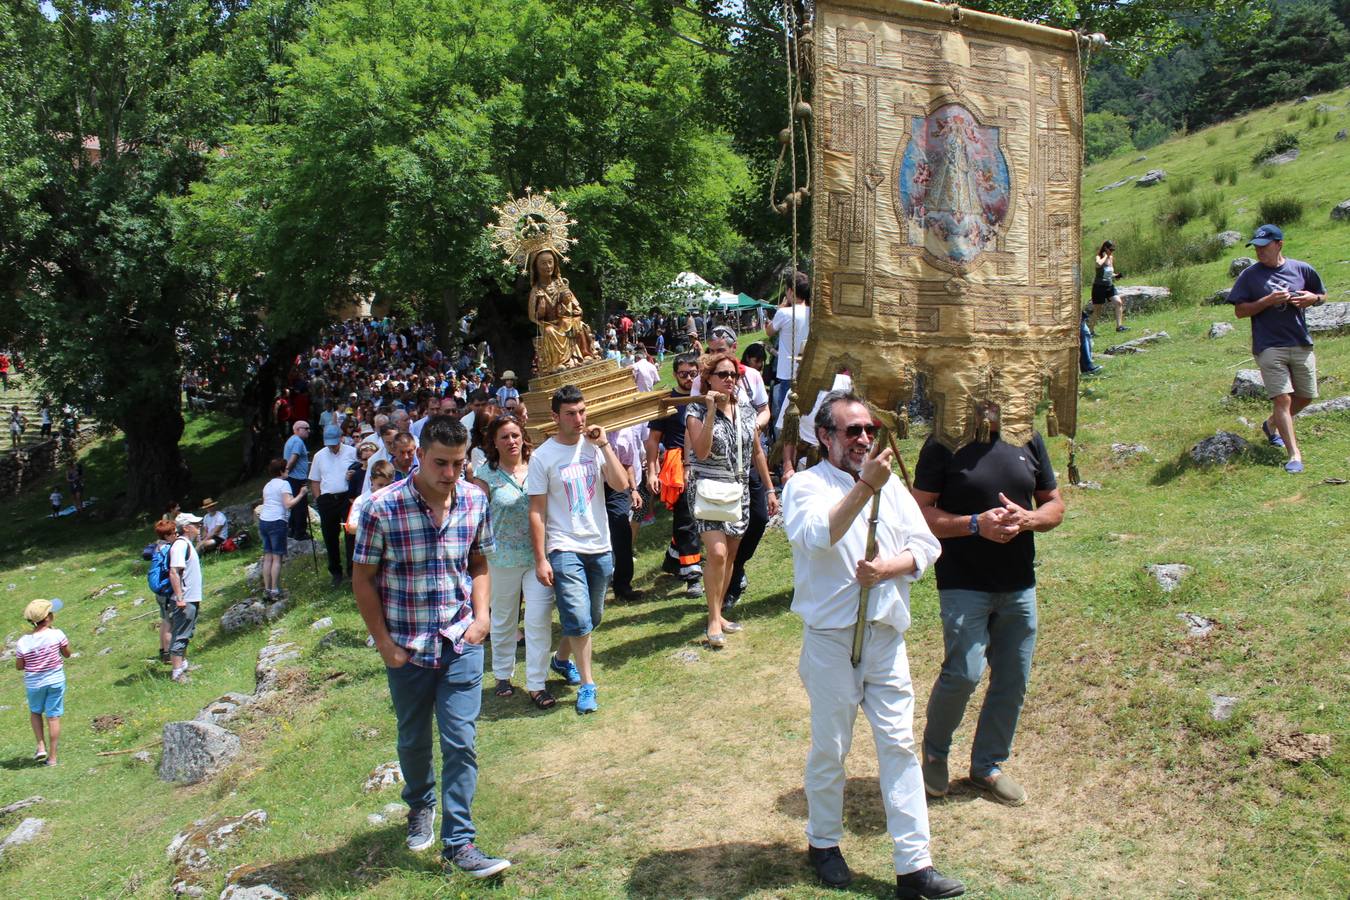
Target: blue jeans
point(454, 693)
point(1085, 363)
point(579, 584)
point(777, 400)
point(979, 626)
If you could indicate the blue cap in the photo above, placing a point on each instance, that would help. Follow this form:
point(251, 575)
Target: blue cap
point(332, 436)
point(1265, 234)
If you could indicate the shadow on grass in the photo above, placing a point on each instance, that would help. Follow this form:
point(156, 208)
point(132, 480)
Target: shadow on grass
point(1257, 455)
point(863, 812)
point(18, 763)
point(732, 870)
point(353, 867)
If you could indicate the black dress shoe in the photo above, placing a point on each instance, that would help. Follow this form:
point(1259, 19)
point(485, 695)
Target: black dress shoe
point(927, 883)
point(628, 596)
point(830, 866)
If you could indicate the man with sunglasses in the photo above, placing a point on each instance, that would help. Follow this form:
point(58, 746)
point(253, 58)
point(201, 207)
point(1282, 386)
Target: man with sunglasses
point(665, 452)
point(825, 515)
point(750, 388)
point(984, 502)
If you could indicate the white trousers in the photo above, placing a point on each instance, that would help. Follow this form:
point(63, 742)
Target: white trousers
point(881, 685)
point(507, 584)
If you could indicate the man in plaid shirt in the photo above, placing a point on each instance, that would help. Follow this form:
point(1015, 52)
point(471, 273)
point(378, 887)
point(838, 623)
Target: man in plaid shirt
point(421, 584)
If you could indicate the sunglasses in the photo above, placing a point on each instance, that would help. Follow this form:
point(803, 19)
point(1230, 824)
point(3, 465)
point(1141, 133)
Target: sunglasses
point(856, 431)
point(728, 373)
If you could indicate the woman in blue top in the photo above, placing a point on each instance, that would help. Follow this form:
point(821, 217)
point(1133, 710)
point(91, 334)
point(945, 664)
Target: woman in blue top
point(511, 563)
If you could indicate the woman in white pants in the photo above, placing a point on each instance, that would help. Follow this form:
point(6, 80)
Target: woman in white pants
point(511, 563)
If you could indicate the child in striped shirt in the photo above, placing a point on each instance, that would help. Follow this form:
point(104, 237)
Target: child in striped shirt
point(38, 656)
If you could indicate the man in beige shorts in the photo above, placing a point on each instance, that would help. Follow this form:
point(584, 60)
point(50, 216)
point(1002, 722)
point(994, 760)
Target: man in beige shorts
point(1274, 293)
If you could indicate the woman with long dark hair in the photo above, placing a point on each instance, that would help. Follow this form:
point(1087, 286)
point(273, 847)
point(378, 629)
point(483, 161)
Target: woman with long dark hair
point(1104, 287)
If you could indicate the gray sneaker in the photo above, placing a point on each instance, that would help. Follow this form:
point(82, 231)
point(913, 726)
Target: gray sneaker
point(421, 828)
point(935, 780)
point(474, 862)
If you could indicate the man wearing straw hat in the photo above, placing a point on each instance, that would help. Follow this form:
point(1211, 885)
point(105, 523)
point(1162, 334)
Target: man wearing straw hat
point(215, 526)
point(833, 572)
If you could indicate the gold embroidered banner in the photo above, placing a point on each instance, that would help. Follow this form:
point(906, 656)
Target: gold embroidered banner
point(946, 212)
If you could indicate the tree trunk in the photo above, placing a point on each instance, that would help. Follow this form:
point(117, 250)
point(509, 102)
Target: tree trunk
point(156, 472)
point(263, 444)
point(503, 322)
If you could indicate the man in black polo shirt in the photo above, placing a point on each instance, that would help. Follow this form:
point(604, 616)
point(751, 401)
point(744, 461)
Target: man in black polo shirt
point(983, 502)
point(684, 557)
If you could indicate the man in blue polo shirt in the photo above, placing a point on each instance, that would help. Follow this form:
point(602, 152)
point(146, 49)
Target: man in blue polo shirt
point(1274, 293)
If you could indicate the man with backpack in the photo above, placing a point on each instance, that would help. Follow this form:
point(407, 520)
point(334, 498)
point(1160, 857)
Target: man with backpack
point(185, 577)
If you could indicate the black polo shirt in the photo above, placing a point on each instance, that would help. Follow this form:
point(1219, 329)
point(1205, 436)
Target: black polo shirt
point(969, 482)
point(671, 425)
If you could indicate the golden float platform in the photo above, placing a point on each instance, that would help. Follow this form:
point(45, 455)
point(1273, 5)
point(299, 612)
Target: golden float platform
point(612, 398)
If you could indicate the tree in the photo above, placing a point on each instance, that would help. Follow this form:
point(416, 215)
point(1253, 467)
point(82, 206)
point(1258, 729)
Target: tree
point(400, 125)
point(1105, 135)
point(105, 317)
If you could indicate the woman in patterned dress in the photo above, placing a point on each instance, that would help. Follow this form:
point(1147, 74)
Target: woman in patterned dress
point(723, 443)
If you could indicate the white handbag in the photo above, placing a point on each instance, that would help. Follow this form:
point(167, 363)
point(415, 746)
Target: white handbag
point(720, 501)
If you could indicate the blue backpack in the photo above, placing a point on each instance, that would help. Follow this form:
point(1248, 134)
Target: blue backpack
point(158, 576)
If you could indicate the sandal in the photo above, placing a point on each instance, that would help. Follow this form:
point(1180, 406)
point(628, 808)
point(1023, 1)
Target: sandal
point(504, 689)
point(543, 699)
point(715, 641)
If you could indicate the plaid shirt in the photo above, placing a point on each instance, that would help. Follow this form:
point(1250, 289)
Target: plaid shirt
point(424, 581)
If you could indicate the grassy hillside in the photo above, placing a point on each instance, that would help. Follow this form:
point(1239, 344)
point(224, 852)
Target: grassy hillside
point(688, 781)
point(1213, 185)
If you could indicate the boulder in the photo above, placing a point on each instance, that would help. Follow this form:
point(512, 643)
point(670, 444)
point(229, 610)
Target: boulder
point(321, 624)
point(384, 775)
point(1142, 298)
point(1219, 329)
point(1335, 405)
point(1196, 626)
point(191, 845)
point(1280, 159)
point(17, 805)
point(1342, 135)
point(1115, 184)
point(270, 659)
point(1341, 211)
point(194, 751)
point(25, 833)
point(1151, 177)
point(1329, 318)
point(253, 575)
point(243, 615)
point(296, 548)
point(109, 613)
point(251, 892)
point(1248, 385)
point(1228, 239)
point(223, 708)
point(1168, 575)
point(1122, 452)
point(1239, 264)
point(1303, 99)
point(1221, 707)
point(1138, 345)
point(1223, 447)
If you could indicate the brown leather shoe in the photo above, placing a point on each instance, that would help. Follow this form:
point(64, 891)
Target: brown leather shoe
point(1001, 788)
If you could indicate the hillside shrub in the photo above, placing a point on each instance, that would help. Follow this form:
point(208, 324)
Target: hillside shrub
point(1184, 285)
point(1177, 210)
point(1158, 248)
point(1266, 170)
point(1211, 138)
point(1225, 171)
point(1280, 210)
point(1150, 133)
point(1241, 128)
point(1104, 135)
point(1280, 142)
point(1183, 184)
point(1219, 219)
point(1211, 202)
point(1292, 116)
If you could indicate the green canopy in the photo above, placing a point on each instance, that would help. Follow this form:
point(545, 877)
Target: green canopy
point(745, 301)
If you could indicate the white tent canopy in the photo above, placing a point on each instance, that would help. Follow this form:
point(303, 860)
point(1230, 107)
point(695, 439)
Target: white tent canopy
point(698, 291)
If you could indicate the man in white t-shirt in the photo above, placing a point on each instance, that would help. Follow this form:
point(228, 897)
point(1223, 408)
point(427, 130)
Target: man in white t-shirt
point(215, 526)
point(645, 374)
point(328, 484)
point(185, 576)
point(790, 323)
point(569, 531)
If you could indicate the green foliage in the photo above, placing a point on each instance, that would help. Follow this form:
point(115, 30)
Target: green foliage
point(1211, 138)
point(1225, 172)
point(1218, 219)
point(1182, 184)
point(1105, 135)
point(1149, 248)
point(1177, 210)
point(1279, 142)
point(1211, 202)
point(1149, 133)
point(1280, 210)
point(1241, 128)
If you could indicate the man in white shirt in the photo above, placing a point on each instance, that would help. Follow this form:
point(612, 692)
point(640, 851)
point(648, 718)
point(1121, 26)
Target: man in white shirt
point(790, 323)
point(328, 484)
point(185, 576)
point(826, 520)
point(569, 531)
point(215, 526)
point(645, 374)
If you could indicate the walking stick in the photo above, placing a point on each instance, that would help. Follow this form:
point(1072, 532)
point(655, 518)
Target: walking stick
point(871, 552)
